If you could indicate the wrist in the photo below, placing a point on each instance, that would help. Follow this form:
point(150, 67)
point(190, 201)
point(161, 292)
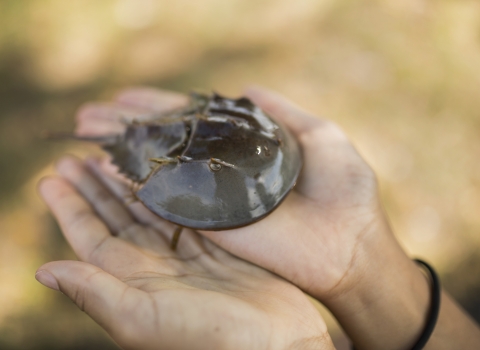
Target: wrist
point(383, 301)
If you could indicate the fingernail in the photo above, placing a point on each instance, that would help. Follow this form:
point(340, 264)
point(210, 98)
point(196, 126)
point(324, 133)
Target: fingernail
point(47, 279)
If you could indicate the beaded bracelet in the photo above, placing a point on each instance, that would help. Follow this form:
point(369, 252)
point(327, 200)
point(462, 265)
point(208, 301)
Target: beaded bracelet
point(434, 307)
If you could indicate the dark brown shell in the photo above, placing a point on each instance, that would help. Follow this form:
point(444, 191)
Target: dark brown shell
point(218, 164)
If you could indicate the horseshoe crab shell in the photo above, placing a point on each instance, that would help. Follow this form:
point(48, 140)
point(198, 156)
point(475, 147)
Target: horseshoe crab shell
point(217, 164)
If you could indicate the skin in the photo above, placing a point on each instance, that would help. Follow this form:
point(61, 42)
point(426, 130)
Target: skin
point(330, 237)
point(149, 297)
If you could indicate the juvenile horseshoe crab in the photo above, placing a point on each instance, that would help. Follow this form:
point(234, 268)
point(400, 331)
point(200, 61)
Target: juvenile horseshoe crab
point(216, 164)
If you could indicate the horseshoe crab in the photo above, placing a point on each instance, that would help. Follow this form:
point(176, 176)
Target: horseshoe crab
point(216, 164)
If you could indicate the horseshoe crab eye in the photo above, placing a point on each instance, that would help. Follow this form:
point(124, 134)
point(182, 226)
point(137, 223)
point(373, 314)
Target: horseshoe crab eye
point(259, 149)
point(215, 166)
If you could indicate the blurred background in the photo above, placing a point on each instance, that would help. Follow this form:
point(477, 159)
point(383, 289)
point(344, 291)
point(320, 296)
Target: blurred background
point(401, 77)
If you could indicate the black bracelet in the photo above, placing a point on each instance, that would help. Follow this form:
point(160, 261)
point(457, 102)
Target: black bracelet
point(434, 307)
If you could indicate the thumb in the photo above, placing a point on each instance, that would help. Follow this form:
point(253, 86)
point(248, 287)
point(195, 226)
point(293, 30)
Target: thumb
point(89, 287)
point(281, 109)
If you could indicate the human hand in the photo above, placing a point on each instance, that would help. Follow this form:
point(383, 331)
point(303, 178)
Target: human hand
point(330, 236)
point(319, 228)
point(334, 201)
point(149, 297)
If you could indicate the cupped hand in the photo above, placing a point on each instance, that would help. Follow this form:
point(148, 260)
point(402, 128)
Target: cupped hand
point(330, 237)
point(148, 297)
point(315, 237)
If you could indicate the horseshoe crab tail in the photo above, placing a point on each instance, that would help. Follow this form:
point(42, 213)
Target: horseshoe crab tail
point(175, 237)
point(102, 140)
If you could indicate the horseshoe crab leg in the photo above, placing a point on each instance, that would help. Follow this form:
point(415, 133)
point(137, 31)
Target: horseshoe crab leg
point(131, 197)
point(163, 160)
point(221, 162)
point(175, 238)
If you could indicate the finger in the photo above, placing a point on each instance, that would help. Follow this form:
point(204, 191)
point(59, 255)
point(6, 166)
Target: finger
point(90, 238)
point(191, 243)
point(114, 214)
point(98, 119)
point(152, 99)
point(110, 111)
point(84, 231)
point(296, 119)
point(108, 175)
point(102, 118)
point(99, 294)
point(98, 128)
point(158, 232)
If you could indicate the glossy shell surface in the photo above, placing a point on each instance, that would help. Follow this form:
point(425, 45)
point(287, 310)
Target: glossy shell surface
point(217, 164)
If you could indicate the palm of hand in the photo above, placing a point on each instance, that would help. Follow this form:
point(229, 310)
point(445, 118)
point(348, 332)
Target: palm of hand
point(319, 226)
point(317, 229)
point(147, 296)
